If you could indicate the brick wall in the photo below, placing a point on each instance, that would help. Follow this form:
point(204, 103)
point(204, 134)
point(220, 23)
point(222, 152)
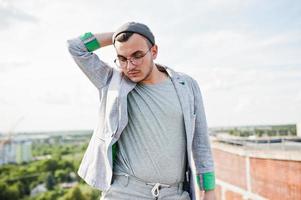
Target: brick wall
point(268, 178)
point(230, 168)
point(276, 179)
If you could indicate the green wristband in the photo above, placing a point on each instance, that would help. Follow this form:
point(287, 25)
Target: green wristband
point(206, 181)
point(90, 41)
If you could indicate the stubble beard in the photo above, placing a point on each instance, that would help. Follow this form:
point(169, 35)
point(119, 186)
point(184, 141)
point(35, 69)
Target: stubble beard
point(147, 75)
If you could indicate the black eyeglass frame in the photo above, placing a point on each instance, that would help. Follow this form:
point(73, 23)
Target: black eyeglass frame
point(133, 60)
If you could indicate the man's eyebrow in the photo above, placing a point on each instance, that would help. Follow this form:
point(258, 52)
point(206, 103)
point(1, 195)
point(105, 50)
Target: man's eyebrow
point(138, 51)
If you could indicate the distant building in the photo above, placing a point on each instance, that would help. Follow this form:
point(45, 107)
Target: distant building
point(38, 189)
point(15, 151)
point(7, 152)
point(23, 151)
point(68, 185)
point(299, 129)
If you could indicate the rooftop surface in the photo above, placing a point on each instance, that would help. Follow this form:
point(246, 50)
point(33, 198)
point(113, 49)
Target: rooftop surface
point(285, 150)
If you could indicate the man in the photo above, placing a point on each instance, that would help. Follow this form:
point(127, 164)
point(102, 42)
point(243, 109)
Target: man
point(151, 139)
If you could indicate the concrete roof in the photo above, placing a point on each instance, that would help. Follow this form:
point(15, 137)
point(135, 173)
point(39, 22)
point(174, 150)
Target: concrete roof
point(279, 151)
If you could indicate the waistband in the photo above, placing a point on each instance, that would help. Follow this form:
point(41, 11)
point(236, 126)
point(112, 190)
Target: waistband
point(156, 186)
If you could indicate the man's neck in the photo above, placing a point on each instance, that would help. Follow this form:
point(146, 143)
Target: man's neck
point(157, 76)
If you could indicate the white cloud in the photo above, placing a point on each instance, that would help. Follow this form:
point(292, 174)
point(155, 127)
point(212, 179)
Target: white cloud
point(10, 15)
point(248, 75)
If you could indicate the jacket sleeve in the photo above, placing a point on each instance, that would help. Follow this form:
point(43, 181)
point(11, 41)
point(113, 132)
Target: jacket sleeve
point(98, 72)
point(201, 144)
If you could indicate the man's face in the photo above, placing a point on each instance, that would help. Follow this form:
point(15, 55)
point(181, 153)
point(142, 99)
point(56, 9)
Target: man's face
point(142, 56)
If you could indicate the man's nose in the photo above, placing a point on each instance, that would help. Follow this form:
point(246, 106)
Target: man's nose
point(130, 66)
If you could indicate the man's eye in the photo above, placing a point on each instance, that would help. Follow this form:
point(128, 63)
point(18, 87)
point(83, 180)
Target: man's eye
point(137, 56)
point(121, 59)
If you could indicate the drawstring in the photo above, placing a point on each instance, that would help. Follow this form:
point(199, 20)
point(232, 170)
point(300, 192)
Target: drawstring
point(156, 186)
point(156, 189)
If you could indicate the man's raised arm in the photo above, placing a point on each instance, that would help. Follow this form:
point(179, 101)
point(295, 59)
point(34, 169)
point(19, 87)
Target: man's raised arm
point(81, 48)
point(104, 39)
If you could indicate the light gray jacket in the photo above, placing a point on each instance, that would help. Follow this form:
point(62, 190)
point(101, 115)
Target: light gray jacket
point(113, 87)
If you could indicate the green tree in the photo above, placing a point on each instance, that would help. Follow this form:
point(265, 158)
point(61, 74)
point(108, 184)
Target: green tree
point(8, 193)
point(74, 194)
point(50, 165)
point(49, 195)
point(95, 194)
point(62, 175)
point(50, 182)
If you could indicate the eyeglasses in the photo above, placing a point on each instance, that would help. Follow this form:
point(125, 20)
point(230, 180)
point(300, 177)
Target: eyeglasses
point(122, 62)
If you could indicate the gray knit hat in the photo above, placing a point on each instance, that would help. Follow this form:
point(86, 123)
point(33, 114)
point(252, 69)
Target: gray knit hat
point(135, 27)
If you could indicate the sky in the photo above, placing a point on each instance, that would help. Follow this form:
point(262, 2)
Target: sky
point(245, 55)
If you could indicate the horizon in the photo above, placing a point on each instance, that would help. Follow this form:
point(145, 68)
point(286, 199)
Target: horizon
point(85, 130)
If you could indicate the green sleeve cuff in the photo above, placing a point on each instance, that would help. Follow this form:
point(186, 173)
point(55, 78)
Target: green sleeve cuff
point(90, 41)
point(206, 181)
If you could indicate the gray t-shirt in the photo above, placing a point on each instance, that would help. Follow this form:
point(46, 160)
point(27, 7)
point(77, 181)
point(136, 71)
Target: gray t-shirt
point(152, 147)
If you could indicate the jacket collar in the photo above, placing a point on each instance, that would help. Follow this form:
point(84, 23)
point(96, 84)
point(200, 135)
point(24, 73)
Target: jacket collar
point(171, 73)
point(127, 85)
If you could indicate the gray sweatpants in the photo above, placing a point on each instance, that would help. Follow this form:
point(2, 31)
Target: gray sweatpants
point(128, 188)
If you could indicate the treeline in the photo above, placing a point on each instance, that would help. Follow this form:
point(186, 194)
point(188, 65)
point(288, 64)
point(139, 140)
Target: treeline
point(18, 180)
point(289, 130)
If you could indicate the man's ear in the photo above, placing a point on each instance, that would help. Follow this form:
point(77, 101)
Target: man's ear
point(154, 51)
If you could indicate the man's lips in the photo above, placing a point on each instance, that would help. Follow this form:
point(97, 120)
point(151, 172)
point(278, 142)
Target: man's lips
point(133, 73)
